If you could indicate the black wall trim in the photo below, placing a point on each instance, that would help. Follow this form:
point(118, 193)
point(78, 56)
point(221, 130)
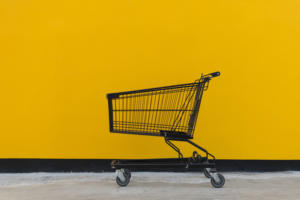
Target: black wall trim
point(103, 165)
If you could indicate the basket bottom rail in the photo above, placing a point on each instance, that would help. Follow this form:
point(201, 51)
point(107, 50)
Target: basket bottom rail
point(185, 163)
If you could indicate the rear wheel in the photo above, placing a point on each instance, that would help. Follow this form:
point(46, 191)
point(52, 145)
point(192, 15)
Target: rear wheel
point(217, 180)
point(123, 177)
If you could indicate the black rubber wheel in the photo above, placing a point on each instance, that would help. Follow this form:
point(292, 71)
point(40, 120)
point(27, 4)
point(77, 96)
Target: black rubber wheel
point(218, 184)
point(206, 173)
point(127, 176)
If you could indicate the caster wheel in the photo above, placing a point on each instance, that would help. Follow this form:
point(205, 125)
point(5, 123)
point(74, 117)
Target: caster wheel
point(123, 177)
point(206, 172)
point(217, 180)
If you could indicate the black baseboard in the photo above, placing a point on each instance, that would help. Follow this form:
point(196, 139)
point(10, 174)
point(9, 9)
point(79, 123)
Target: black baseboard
point(103, 165)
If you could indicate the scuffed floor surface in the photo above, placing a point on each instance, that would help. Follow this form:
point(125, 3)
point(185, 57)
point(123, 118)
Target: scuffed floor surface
point(148, 186)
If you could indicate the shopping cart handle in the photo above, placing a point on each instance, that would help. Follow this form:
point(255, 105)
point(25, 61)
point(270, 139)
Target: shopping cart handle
point(214, 74)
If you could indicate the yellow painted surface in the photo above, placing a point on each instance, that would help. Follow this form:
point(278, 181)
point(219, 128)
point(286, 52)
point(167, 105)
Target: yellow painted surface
point(59, 58)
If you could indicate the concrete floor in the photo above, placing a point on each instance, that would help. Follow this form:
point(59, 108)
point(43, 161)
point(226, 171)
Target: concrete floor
point(148, 186)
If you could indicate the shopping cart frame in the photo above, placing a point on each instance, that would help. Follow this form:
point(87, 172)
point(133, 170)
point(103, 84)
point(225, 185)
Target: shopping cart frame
point(207, 162)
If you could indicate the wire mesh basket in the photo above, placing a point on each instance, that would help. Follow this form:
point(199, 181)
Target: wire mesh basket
point(161, 111)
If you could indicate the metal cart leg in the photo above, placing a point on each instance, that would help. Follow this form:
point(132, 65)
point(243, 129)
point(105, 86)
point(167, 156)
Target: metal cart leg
point(180, 156)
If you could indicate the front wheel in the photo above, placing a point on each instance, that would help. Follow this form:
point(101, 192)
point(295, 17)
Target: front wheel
point(217, 180)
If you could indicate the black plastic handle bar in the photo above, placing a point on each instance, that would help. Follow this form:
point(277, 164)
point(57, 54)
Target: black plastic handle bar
point(214, 74)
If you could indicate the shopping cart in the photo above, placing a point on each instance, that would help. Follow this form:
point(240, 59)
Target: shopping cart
point(170, 112)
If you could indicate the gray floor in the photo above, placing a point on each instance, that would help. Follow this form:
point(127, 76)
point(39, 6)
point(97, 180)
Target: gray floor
point(146, 185)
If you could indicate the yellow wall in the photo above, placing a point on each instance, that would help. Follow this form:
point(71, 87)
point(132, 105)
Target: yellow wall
point(59, 58)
